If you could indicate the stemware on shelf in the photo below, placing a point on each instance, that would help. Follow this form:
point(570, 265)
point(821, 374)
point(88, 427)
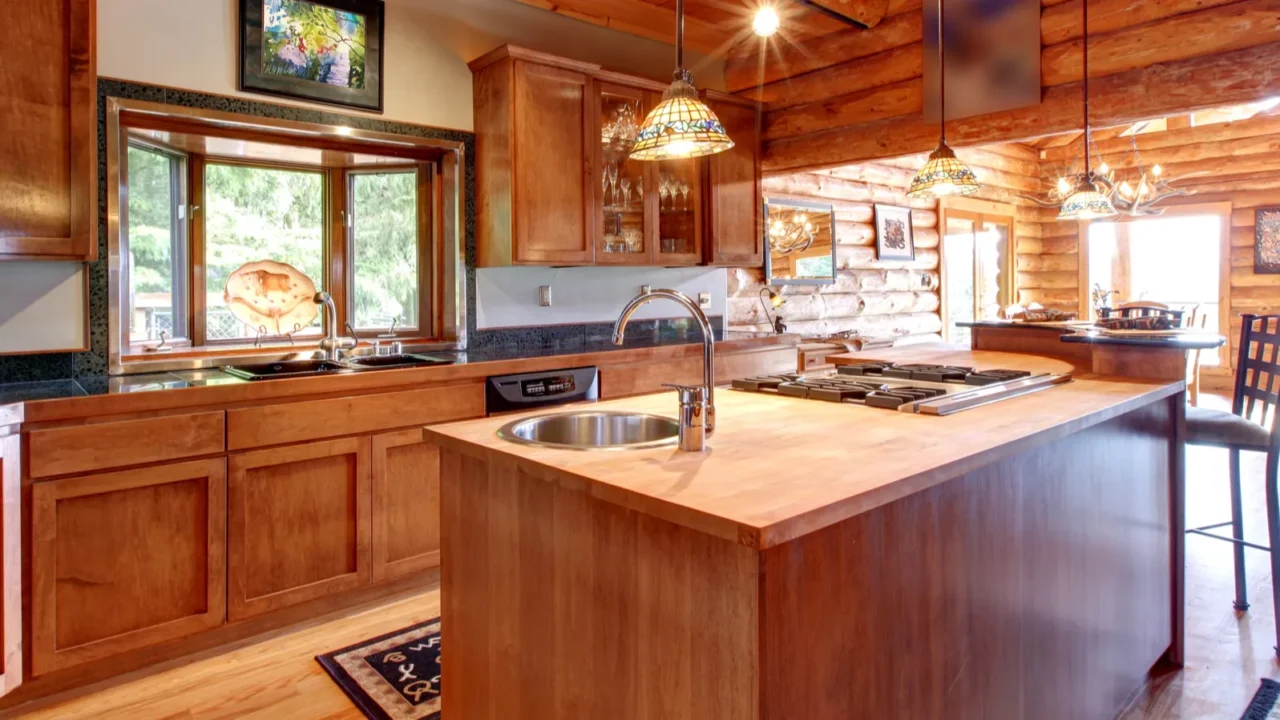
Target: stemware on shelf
point(626, 192)
point(613, 183)
point(684, 196)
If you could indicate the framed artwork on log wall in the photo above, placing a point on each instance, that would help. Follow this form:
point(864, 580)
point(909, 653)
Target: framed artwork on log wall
point(894, 238)
point(1266, 240)
point(327, 51)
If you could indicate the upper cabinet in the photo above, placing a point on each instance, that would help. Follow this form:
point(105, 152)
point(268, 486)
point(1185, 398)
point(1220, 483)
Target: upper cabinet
point(48, 130)
point(556, 185)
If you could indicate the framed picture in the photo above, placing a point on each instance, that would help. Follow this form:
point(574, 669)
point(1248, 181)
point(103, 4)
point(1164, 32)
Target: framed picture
point(327, 51)
point(894, 239)
point(1266, 240)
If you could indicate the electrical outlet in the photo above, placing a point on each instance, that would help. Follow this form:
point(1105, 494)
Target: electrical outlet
point(544, 295)
point(704, 300)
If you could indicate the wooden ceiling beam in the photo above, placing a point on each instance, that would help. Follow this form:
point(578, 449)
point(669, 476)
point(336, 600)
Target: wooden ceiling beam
point(1206, 32)
point(644, 19)
point(1231, 77)
point(762, 61)
point(1256, 127)
point(1062, 22)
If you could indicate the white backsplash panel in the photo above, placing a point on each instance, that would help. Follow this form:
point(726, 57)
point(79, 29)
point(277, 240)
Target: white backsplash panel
point(509, 297)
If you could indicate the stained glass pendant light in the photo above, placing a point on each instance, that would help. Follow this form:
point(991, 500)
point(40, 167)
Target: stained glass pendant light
point(1087, 202)
point(944, 173)
point(681, 126)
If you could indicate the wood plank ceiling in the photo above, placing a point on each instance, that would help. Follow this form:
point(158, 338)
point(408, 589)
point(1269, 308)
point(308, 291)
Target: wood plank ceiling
point(837, 94)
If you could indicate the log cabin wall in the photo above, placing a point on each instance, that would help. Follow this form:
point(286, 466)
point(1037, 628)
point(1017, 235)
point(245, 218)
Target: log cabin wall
point(856, 95)
point(875, 298)
point(1229, 162)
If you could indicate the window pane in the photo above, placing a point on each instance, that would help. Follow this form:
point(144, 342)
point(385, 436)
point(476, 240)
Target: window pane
point(384, 239)
point(152, 240)
point(259, 214)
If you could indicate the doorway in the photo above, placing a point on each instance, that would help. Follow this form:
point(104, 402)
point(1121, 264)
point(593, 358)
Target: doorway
point(977, 268)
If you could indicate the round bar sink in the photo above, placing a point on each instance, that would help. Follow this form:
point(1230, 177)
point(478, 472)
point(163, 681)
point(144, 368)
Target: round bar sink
point(593, 430)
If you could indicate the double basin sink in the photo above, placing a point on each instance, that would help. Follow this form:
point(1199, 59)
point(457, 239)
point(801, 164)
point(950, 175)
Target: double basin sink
point(313, 368)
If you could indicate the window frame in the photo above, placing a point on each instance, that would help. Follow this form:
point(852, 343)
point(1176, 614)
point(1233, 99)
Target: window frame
point(427, 261)
point(977, 212)
point(179, 240)
point(1221, 210)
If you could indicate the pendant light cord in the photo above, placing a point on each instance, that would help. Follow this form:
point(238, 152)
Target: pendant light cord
point(1088, 175)
point(680, 38)
point(942, 67)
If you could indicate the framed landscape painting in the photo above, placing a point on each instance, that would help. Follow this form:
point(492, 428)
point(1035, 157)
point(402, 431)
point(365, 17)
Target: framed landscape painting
point(894, 238)
point(1266, 240)
point(327, 51)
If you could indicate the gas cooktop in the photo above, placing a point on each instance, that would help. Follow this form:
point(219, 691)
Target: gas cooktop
point(917, 388)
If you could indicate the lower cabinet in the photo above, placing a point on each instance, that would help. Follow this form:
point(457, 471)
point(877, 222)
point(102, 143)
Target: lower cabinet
point(124, 560)
point(406, 504)
point(298, 524)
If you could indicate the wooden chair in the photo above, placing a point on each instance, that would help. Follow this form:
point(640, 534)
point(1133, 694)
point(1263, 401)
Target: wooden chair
point(1195, 321)
point(1249, 426)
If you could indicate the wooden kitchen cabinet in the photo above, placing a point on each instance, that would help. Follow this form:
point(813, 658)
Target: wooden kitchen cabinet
point(10, 552)
point(556, 187)
point(298, 524)
point(735, 236)
point(535, 172)
point(48, 130)
point(124, 560)
point(406, 504)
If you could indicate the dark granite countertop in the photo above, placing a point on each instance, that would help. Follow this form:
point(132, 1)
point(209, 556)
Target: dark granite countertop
point(1188, 341)
point(1063, 327)
point(150, 382)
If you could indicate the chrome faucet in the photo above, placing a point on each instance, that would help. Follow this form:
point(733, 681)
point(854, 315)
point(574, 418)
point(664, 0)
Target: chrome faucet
point(697, 404)
point(332, 345)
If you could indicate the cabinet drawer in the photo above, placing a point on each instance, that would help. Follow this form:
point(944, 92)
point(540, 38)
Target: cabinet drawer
point(303, 421)
point(83, 448)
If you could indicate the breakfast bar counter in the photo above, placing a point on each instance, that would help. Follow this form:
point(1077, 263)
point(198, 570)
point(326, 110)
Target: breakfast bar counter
point(822, 560)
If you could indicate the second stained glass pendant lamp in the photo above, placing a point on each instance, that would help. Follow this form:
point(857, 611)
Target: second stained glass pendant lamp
point(944, 173)
point(1087, 202)
point(681, 126)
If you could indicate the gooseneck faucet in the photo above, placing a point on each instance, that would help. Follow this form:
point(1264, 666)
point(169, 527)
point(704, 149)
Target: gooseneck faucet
point(332, 345)
point(697, 404)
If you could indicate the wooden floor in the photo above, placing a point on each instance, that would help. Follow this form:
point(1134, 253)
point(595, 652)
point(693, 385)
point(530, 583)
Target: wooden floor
point(278, 679)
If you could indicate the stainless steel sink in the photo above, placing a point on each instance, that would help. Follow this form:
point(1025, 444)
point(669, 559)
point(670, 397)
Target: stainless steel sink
point(396, 361)
point(593, 430)
point(286, 369)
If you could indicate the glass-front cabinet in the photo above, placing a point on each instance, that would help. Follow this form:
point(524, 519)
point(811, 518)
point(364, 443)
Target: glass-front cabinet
point(648, 213)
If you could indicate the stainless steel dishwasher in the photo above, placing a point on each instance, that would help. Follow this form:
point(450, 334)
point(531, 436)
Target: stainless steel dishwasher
point(527, 391)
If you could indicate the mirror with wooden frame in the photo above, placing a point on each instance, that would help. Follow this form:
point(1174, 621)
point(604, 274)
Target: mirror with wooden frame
point(799, 243)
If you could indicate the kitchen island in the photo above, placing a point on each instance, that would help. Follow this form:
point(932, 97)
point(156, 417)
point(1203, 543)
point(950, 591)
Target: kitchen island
point(822, 560)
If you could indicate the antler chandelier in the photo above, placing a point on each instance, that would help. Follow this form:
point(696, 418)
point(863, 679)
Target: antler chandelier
point(1134, 192)
point(793, 235)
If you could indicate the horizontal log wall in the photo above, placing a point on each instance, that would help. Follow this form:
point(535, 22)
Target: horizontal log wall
point(856, 95)
point(872, 297)
point(1234, 162)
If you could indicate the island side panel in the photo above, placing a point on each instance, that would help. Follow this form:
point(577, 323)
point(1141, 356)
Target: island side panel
point(557, 605)
point(1040, 586)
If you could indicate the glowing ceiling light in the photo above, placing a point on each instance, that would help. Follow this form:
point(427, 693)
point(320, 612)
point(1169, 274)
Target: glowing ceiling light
point(766, 22)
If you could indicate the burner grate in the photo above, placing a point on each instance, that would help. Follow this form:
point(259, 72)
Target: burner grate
point(990, 377)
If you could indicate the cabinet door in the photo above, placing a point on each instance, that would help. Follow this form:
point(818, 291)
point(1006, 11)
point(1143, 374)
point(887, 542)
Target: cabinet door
point(11, 559)
point(552, 165)
point(627, 208)
point(734, 200)
point(124, 560)
point(297, 524)
point(406, 504)
point(48, 130)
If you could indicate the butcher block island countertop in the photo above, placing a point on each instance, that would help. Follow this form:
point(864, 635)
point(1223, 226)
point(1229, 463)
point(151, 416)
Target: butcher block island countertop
point(822, 561)
point(779, 467)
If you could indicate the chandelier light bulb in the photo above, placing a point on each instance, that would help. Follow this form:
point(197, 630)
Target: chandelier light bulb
point(1126, 189)
point(766, 22)
point(1156, 170)
point(1105, 169)
point(1064, 187)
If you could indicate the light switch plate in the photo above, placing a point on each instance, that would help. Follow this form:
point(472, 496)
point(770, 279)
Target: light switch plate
point(544, 295)
point(704, 300)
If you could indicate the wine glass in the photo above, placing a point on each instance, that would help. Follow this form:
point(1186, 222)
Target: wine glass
point(626, 192)
point(613, 183)
point(664, 188)
point(640, 190)
point(684, 196)
point(604, 185)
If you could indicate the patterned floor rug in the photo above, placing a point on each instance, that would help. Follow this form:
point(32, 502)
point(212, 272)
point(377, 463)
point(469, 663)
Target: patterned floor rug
point(1264, 706)
point(392, 677)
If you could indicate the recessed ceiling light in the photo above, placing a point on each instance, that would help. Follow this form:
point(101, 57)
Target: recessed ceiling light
point(766, 22)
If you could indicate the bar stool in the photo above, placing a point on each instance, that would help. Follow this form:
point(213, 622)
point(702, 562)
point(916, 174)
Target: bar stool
point(1249, 426)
